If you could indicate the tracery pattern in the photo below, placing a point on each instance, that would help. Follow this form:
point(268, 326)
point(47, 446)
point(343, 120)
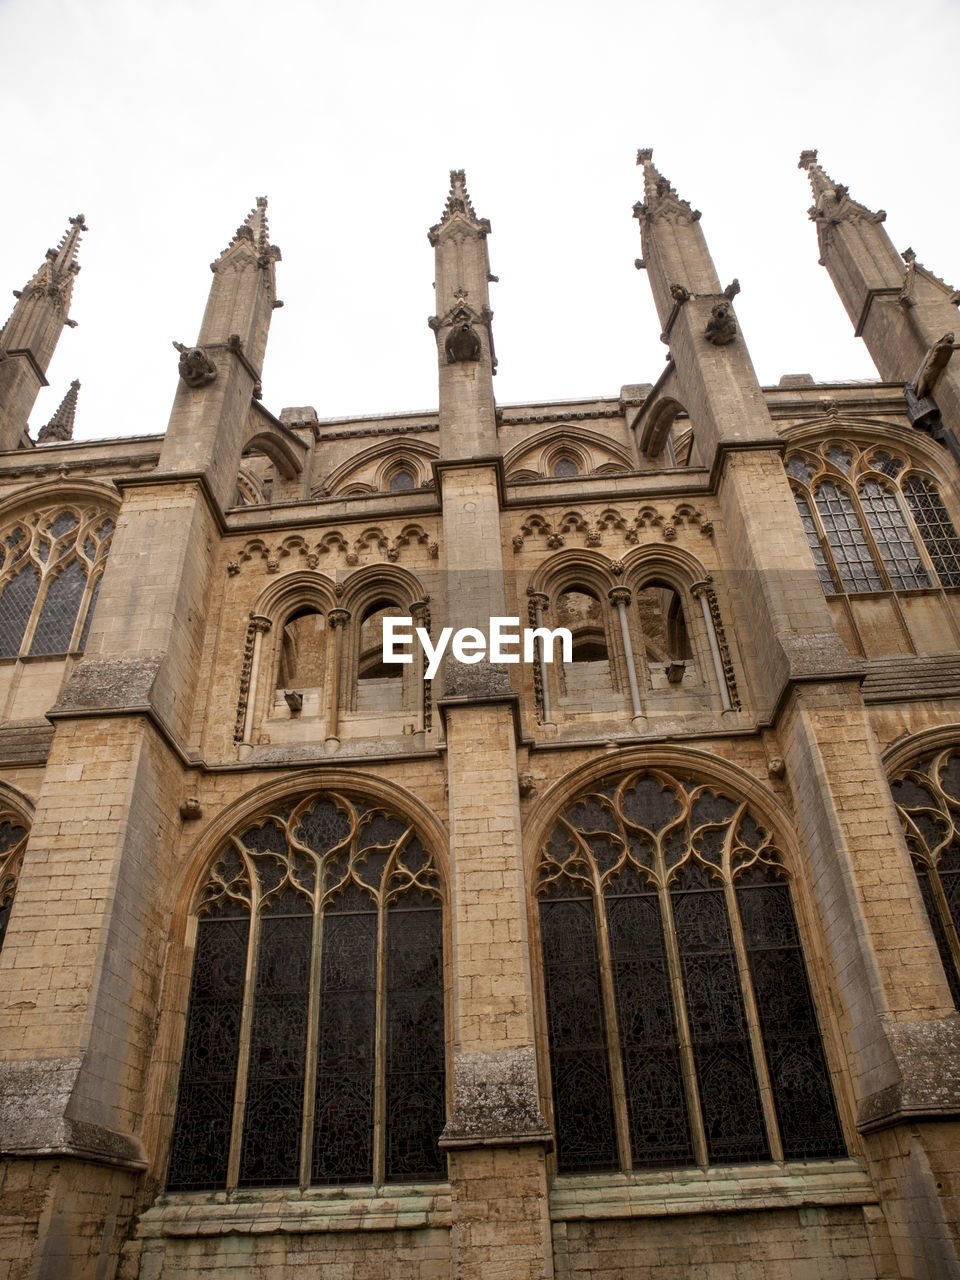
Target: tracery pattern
point(51, 565)
point(13, 839)
point(681, 1023)
point(861, 509)
point(314, 1048)
point(927, 795)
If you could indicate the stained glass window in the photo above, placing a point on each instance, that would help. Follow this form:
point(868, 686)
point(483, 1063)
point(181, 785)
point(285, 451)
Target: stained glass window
point(50, 574)
point(334, 909)
point(928, 802)
point(677, 998)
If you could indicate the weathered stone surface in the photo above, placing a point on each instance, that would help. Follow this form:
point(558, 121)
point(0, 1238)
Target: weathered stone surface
point(495, 1099)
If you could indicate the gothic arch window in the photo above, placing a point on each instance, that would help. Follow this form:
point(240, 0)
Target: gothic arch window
point(51, 565)
point(590, 671)
point(565, 466)
point(660, 609)
point(681, 1023)
point(314, 1047)
point(927, 796)
point(13, 839)
point(862, 509)
point(403, 478)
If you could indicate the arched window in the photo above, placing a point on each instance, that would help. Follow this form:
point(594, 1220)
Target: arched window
point(314, 1048)
point(927, 796)
point(662, 623)
point(856, 512)
point(302, 651)
point(50, 571)
point(13, 839)
point(402, 479)
point(680, 1018)
point(589, 672)
point(565, 466)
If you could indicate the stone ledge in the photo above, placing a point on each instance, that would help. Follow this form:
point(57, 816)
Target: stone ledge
point(693, 1191)
point(290, 1211)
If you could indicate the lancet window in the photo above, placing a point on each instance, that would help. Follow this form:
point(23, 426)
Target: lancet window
point(680, 1019)
point(873, 522)
point(927, 796)
point(13, 839)
point(51, 566)
point(314, 1048)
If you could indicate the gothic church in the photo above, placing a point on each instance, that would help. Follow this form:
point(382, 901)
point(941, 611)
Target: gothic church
point(643, 962)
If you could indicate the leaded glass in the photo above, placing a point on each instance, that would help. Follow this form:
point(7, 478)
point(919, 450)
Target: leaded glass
point(898, 551)
point(94, 597)
point(16, 605)
point(848, 542)
point(813, 541)
point(799, 1076)
point(936, 528)
point(344, 1010)
point(13, 837)
point(59, 613)
point(926, 797)
point(650, 994)
point(208, 1075)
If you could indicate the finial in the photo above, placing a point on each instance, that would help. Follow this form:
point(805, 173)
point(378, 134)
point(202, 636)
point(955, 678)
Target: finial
point(807, 158)
point(645, 155)
point(255, 231)
point(658, 195)
point(833, 202)
point(60, 426)
point(458, 204)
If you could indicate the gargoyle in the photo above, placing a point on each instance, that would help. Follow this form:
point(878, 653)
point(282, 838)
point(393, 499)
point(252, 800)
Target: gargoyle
point(462, 344)
point(196, 368)
point(721, 327)
point(932, 366)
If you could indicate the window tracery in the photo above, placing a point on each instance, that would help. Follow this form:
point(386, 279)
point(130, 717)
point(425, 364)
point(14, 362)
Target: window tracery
point(51, 565)
point(13, 840)
point(862, 508)
point(927, 796)
point(680, 1018)
point(314, 1047)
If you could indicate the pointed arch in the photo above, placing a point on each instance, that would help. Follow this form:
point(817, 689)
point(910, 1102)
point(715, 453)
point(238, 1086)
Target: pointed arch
point(362, 468)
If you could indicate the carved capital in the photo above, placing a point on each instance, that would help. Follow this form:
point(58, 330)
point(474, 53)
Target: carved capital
point(338, 618)
point(620, 595)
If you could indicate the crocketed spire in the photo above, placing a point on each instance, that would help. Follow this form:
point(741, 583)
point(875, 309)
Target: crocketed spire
point(60, 426)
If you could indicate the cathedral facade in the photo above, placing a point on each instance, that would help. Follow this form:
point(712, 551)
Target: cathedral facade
point(638, 958)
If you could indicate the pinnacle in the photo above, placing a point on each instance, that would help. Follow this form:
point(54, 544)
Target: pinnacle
point(60, 426)
point(255, 230)
point(658, 194)
point(824, 187)
point(458, 204)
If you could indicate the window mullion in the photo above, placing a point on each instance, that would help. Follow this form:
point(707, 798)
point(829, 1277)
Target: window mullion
point(614, 1052)
point(694, 1110)
point(753, 1022)
point(246, 1031)
point(380, 1049)
point(313, 1039)
point(946, 917)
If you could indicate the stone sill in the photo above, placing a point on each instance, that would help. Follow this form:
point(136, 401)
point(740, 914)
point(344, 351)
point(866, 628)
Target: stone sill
point(290, 1211)
point(727, 1190)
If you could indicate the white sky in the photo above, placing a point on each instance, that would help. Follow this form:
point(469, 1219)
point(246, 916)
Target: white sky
point(162, 121)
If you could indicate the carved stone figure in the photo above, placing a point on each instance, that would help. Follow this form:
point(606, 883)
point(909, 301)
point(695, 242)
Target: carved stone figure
point(196, 368)
point(933, 365)
point(463, 344)
point(721, 327)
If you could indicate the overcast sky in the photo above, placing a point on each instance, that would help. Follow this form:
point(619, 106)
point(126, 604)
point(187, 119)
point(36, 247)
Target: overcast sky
point(162, 122)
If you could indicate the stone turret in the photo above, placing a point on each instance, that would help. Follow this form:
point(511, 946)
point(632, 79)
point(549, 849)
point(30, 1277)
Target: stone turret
point(60, 426)
point(902, 310)
point(29, 338)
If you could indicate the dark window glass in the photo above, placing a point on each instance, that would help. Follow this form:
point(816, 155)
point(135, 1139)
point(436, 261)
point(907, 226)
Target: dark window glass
point(270, 1155)
point(898, 551)
point(343, 1126)
point(59, 612)
point(414, 1047)
point(94, 597)
point(16, 605)
point(208, 1073)
point(799, 1077)
point(565, 467)
point(401, 480)
point(582, 1093)
point(936, 528)
point(813, 540)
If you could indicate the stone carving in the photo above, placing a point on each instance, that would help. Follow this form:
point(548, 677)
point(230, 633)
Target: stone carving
point(195, 368)
point(721, 327)
point(932, 366)
point(258, 624)
point(462, 344)
point(679, 294)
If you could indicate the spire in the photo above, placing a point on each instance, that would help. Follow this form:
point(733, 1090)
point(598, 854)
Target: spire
point(60, 426)
point(459, 208)
point(660, 199)
point(832, 202)
point(30, 336)
point(255, 232)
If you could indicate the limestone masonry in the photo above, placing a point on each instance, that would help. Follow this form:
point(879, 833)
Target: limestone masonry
point(641, 962)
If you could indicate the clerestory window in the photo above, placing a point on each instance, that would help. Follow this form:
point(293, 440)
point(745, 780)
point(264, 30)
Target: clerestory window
point(872, 522)
point(681, 1023)
point(314, 1047)
point(51, 567)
